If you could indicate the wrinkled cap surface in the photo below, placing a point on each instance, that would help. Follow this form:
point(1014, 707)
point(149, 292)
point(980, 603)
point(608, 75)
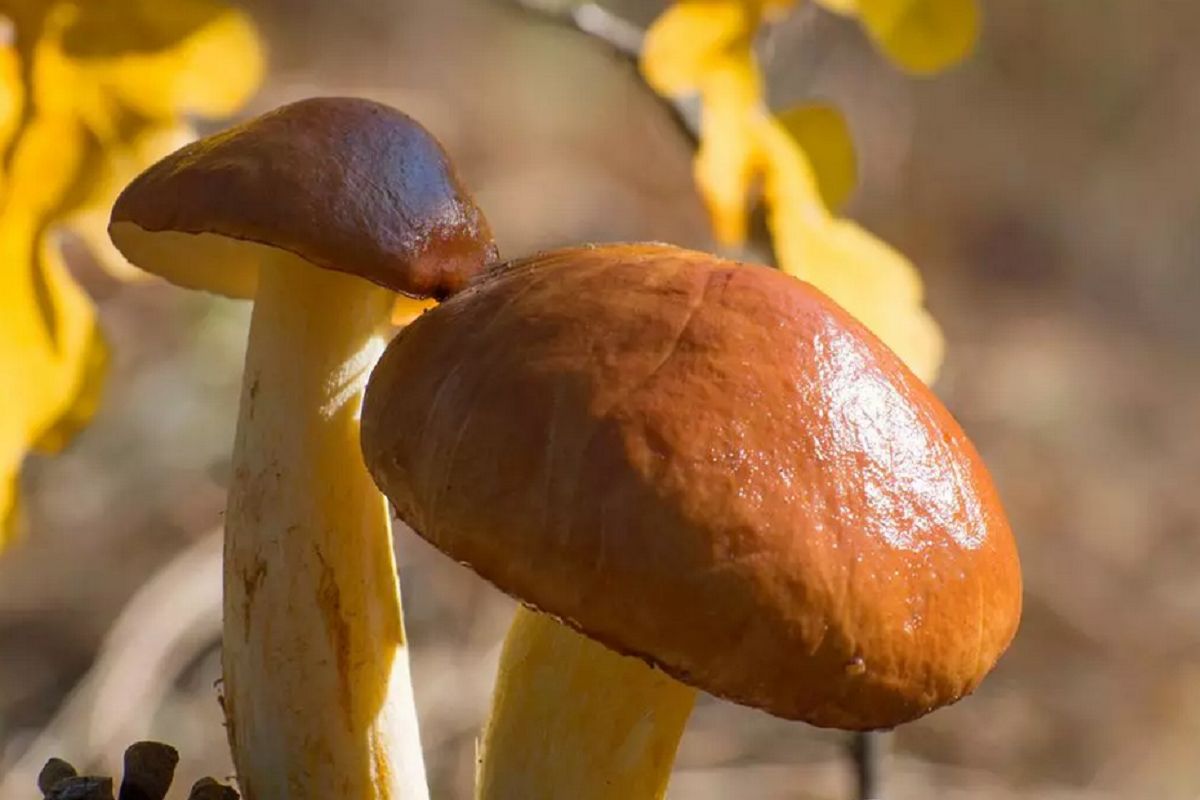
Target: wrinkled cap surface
point(707, 465)
point(346, 184)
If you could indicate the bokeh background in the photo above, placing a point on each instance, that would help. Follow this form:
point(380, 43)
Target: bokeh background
point(1048, 190)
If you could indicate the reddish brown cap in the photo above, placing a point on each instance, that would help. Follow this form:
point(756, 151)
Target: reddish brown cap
point(344, 183)
point(708, 465)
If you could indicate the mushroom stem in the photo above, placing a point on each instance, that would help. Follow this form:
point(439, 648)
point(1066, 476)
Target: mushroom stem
point(571, 718)
point(317, 690)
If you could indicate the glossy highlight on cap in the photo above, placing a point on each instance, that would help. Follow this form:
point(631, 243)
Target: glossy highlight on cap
point(708, 465)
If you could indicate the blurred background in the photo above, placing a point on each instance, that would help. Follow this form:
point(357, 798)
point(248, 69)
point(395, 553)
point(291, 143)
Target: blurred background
point(1048, 190)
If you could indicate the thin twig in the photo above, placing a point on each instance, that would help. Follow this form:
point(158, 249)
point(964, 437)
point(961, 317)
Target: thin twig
point(868, 750)
point(623, 38)
point(600, 23)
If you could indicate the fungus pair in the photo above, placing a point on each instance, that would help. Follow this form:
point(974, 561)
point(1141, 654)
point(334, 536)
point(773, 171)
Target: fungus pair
point(695, 474)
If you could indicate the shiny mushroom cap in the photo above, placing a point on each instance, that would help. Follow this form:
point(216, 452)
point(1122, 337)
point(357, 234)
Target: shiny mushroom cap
point(707, 465)
point(346, 184)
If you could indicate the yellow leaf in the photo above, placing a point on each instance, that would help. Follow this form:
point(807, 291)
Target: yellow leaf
point(51, 155)
point(90, 226)
point(144, 58)
point(684, 41)
point(84, 401)
point(48, 351)
point(872, 281)
point(860, 273)
point(12, 96)
point(105, 178)
point(844, 7)
point(10, 506)
point(789, 180)
point(804, 158)
point(407, 309)
point(725, 160)
point(821, 132)
point(773, 10)
point(99, 97)
point(920, 36)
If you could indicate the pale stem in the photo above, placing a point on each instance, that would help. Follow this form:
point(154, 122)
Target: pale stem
point(317, 690)
point(571, 718)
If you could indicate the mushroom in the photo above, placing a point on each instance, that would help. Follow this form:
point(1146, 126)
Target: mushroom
point(695, 474)
point(307, 209)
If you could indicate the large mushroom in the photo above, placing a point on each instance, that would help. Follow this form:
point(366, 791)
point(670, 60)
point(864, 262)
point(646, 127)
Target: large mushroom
point(311, 210)
point(695, 474)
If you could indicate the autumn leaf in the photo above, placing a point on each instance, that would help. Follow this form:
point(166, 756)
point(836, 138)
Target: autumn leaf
point(683, 45)
point(821, 132)
point(122, 162)
point(48, 336)
point(859, 272)
point(704, 47)
point(132, 74)
point(90, 94)
point(12, 93)
point(725, 158)
point(153, 60)
point(920, 36)
point(406, 309)
point(804, 161)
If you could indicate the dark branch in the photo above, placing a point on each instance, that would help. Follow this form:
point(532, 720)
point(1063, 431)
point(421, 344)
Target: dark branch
point(869, 749)
point(623, 38)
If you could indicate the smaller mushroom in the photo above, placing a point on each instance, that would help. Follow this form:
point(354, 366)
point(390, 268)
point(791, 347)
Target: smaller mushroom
point(696, 475)
point(321, 211)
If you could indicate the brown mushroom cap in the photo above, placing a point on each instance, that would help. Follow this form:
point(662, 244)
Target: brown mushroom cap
point(708, 465)
point(344, 183)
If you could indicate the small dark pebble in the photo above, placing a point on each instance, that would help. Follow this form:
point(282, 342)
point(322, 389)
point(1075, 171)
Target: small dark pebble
point(55, 770)
point(208, 789)
point(82, 788)
point(149, 768)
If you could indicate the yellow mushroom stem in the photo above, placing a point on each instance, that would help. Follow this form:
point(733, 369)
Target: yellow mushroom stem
point(317, 689)
point(571, 718)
